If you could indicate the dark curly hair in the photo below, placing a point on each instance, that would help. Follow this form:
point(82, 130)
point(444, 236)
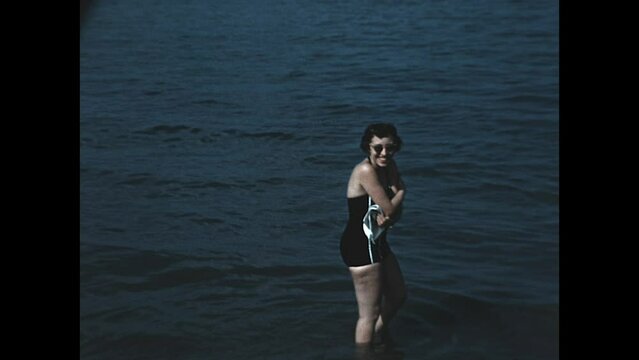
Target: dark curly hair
point(380, 130)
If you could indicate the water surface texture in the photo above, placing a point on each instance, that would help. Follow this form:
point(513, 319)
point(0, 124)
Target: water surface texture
point(217, 138)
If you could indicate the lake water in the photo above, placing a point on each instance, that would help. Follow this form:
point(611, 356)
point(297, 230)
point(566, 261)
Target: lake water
point(217, 138)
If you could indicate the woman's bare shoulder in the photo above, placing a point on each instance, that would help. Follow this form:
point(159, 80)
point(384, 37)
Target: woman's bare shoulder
point(360, 172)
point(363, 169)
point(363, 166)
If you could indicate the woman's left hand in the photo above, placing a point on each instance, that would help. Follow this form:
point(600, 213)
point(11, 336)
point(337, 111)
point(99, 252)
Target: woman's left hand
point(383, 220)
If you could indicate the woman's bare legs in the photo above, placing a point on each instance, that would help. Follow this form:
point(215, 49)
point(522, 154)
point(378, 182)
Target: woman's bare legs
point(372, 282)
point(367, 280)
point(394, 292)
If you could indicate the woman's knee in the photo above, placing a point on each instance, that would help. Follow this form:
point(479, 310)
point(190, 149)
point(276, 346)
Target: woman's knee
point(398, 299)
point(371, 314)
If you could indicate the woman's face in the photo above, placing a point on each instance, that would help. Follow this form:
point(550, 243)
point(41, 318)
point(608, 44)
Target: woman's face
point(381, 150)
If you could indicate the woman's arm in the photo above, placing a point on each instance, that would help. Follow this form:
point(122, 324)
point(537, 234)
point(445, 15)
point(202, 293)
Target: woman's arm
point(369, 181)
point(398, 198)
point(397, 185)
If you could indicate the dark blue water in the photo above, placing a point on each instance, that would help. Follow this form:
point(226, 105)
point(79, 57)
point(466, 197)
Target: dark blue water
point(217, 138)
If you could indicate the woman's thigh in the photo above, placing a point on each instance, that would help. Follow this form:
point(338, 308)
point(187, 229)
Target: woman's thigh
point(367, 280)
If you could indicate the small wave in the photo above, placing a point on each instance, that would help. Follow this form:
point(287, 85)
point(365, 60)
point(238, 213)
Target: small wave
point(209, 102)
point(217, 185)
point(136, 179)
point(422, 172)
point(320, 160)
point(273, 181)
point(321, 56)
point(322, 286)
point(153, 92)
point(207, 221)
point(174, 278)
point(296, 74)
point(456, 165)
point(514, 126)
point(132, 346)
point(530, 99)
point(346, 109)
point(123, 313)
point(316, 224)
point(113, 230)
point(175, 139)
point(269, 135)
point(491, 189)
point(289, 270)
point(166, 129)
point(120, 261)
point(208, 184)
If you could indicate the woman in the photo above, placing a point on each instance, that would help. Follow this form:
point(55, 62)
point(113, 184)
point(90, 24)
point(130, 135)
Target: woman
point(373, 266)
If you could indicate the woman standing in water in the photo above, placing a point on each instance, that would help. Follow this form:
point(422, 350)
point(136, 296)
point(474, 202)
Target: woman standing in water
point(377, 278)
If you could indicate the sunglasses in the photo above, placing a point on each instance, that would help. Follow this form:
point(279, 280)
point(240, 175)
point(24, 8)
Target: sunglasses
point(390, 148)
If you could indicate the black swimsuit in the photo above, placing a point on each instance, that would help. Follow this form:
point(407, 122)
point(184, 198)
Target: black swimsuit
point(355, 247)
